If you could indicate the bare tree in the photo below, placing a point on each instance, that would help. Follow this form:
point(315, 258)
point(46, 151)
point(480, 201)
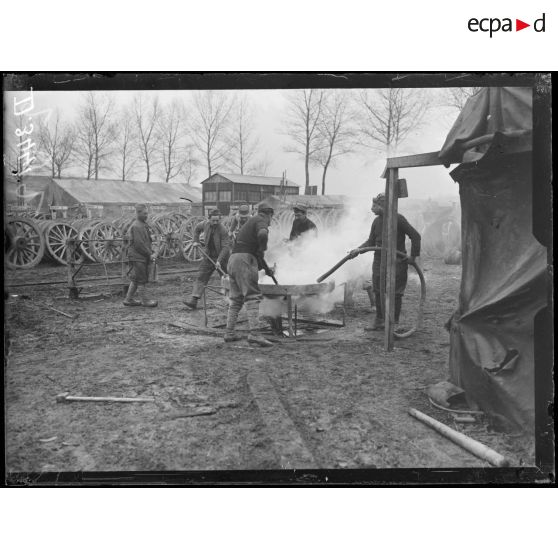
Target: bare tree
point(56, 141)
point(387, 116)
point(303, 114)
point(458, 96)
point(126, 149)
point(170, 129)
point(95, 132)
point(209, 120)
point(190, 165)
point(243, 139)
point(336, 134)
point(146, 115)
point(263, 165)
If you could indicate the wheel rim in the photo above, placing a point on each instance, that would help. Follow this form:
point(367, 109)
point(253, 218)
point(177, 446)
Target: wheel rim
point(168, 227)
point(106, 242)
point(28, 244)
point(57, 240)
point(191, 253)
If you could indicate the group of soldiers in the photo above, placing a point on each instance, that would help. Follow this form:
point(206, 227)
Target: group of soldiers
point(239, 253)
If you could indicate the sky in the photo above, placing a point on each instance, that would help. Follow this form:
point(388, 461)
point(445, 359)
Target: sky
point(356, 175)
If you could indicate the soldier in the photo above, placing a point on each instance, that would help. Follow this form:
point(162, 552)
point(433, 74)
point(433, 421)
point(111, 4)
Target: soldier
point(140, 256)
point(301, 223)
point(217, 248)
point(239, 220)
point(375, 239)
point(245, 262)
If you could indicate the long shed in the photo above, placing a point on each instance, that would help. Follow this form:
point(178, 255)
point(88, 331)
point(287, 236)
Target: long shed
point(226, 191)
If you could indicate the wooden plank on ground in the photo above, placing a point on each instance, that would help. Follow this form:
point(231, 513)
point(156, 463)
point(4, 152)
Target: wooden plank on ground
point(286, 439)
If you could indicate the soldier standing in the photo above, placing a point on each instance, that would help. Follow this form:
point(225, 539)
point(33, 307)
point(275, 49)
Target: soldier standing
point(245, 262)
point(217, 248)
point(404, 229)
point(140, 256)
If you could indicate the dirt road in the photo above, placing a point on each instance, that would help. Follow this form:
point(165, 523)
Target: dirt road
point(339, 401)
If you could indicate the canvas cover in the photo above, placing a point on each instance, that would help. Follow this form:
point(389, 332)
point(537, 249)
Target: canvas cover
point(504, 278)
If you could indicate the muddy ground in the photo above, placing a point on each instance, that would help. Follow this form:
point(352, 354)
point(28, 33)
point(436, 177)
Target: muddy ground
point(335, 393)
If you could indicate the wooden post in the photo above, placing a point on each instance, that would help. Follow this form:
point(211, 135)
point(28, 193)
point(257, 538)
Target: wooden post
point(73, 292)
point(290, 315)
point(389, 242)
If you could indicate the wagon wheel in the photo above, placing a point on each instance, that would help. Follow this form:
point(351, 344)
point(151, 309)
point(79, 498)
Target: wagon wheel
point(27, 244)
point(180, 218)
point(191, 253)
point(58, 241)
point(168, 228)
point(106, 242)
point(316, 217)
point(85, 228)
point(284, 220)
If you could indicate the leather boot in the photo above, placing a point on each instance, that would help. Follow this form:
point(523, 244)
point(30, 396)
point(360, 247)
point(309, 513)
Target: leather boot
point(253, 312)
point(370, 294)
point(192, 303)
point(398, 304)
point(232, 316)
point(129, 300)
point(145, 301)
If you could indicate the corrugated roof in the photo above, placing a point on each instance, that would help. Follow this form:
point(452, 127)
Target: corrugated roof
point(309, 201)
point(250, 179)
point(127, 191)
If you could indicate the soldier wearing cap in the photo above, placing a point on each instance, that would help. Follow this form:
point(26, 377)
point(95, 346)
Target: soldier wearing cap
point(217, 249)
point(404, 229)
point(238, 220)
point(140, 257)
point(244, 264)
point(301, 223)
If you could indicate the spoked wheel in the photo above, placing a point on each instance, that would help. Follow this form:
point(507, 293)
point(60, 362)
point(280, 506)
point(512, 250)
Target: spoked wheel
point(190, 252)
point(106, 242)
point(168, 228)
point(27, 244)
point(85, 228)
point(58, 236)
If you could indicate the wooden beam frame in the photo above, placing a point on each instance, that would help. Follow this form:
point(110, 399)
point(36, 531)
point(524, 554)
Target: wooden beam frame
point(389, 233)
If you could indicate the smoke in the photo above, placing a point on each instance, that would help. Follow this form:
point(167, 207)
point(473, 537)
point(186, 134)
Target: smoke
point(302, 261)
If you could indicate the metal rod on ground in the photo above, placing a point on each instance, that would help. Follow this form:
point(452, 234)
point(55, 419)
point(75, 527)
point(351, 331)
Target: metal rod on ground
point(296, 319)
point(472, 446)
point(44, 305)
point(64, 397)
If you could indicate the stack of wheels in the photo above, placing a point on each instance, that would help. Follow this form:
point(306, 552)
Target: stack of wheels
point(84, 228)
point(25, 242)
point(283, 220)
point(331, 217)
point(106, 242)
point(191, 253)
point(58, 237)
point(167, 227)
point(317, 217)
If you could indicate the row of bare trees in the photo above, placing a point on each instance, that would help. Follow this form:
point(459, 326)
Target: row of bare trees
point(323, 125)
point(217, 130)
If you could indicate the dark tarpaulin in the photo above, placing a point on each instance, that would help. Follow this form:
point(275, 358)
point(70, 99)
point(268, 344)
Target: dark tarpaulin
point(504, 280)
point(494, 113)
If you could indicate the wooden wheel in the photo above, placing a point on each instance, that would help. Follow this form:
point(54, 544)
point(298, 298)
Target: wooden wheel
point(168, 229)
point(58, 241)
point(106, 242)
point(191, 253)
point(27, 244)
point(85, 228)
